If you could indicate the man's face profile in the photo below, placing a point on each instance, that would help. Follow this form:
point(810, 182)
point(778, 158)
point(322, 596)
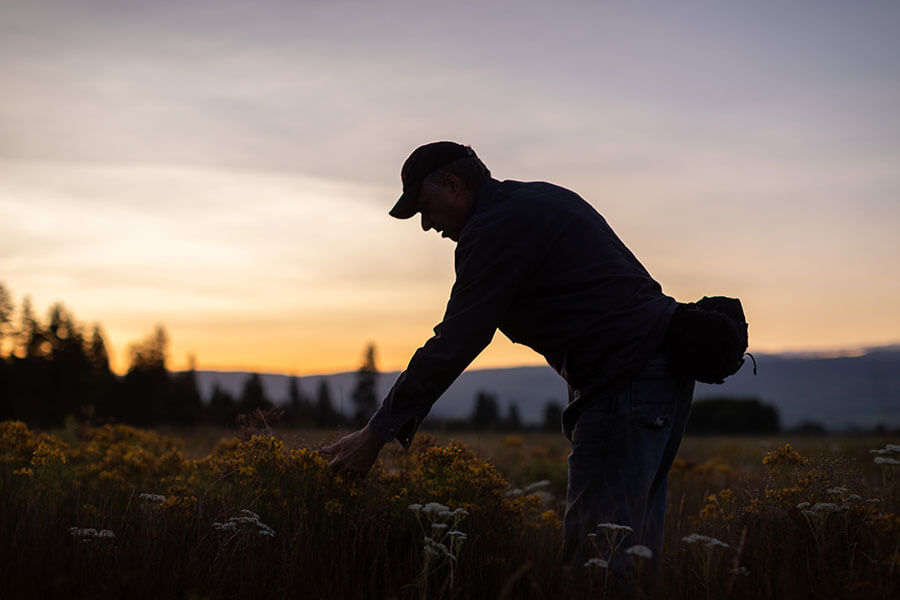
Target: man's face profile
point(445, 207)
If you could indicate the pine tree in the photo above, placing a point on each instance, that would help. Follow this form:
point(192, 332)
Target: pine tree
point(365, 394)
point(486, 414)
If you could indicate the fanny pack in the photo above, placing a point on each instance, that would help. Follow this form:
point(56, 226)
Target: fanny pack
point(707, 339)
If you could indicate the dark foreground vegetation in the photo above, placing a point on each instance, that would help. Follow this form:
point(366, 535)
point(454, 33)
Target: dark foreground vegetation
point(119, 512)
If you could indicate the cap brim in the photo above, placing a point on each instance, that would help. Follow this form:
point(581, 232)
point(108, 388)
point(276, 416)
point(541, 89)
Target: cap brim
point(404, 209)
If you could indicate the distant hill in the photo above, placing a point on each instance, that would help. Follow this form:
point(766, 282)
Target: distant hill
point(841, 393)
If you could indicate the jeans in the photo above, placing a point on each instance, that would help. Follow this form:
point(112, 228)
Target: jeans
point(622, 447)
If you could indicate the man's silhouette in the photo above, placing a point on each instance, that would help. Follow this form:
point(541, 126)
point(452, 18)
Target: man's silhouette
point(537, 262)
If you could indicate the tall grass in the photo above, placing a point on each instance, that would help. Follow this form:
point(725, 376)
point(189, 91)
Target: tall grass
point(115, 512)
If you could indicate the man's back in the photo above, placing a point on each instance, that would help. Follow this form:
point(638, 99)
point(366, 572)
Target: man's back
point(567, 286)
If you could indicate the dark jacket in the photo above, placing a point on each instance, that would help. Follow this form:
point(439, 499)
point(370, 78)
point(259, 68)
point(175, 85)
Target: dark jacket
point(539, 263)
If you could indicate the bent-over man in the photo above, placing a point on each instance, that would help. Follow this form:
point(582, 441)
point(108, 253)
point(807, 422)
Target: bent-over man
point(537, 262)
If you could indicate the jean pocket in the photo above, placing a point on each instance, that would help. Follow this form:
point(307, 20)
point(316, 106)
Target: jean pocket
point(654, 400)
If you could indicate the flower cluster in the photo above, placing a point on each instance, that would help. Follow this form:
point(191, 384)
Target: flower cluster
point(784, 455)
point(90, 534)
point(248, 521)
point(709, 542)
point(883, 454)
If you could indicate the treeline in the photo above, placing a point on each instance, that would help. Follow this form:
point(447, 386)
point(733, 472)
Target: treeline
point(55, 368)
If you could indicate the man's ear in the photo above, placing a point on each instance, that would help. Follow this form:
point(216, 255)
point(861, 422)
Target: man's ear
point(454, 183)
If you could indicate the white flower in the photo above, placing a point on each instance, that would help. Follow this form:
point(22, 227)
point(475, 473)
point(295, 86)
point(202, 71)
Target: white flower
point(460, 512)
point(853, 497)
point(638, 550)
point(445, 514)
point(614, 527)
point(892, 447)
point(873, 500)
point(707, 541)
point(267, 532)
point(434, 507)
point(439, 526)
point(825, 507)
point(741, 571)
point(597, 562)
point(415, 507)
point(457, 534)
point(514, 493)
point(803, 505)
point(536, 485)
point(836, 490)
point(592, 536)
point(152, 497)
point(250, 514)
point(90, 533)
point(883, 460)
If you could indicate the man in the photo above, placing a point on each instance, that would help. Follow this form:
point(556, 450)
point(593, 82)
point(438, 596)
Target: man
point(539, 263)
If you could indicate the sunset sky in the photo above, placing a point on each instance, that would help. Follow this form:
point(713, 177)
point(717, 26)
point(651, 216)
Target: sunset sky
point(225, 168)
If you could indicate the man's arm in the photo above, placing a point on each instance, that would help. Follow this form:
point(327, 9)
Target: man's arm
point(492, 260)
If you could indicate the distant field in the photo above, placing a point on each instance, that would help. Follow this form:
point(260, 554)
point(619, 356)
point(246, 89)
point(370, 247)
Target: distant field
point(118, 512)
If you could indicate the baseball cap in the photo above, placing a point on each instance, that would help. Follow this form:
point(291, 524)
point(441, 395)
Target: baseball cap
point(424, 161)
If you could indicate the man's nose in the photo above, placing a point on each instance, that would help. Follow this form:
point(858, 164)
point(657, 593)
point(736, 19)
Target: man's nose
point(426, 223)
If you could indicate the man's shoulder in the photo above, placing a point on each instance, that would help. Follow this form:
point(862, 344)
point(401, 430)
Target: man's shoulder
point(524, 209)
point(533, 189)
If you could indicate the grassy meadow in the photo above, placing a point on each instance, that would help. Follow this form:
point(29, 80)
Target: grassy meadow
point(118, 512)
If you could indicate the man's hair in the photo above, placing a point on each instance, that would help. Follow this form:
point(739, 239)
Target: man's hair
point(469, 169)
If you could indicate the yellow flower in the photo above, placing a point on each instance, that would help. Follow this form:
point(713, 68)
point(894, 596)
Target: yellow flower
point(784, 456)
point(549, 517)
point(334, 507)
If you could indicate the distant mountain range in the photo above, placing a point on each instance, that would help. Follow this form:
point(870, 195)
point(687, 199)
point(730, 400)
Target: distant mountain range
point(842, 391)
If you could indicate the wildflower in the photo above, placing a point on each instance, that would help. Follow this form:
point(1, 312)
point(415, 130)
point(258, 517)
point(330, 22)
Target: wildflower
point(152, 497)
point(531, 487)
point(892, 447)
point(437, 549)
point(592, 536)
point(803, 505)
point(90, 533)
point(873, 500)
point(456, 534)
point(513, 493)
point(250, 519)
point(883, 460)
point(856, 497)
point(639, 550)
point(597, 562)
point(415, 507)
point(707, 541)
point(822, 507)
point(434, 507)
point(439, 526)
point(741, 571)
point(836, 491)
point(614, 527)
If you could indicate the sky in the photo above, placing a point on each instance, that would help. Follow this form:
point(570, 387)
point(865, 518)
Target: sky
point(225, 168)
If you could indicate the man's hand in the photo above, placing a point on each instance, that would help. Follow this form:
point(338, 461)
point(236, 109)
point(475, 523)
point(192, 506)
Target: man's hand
point(355, 454)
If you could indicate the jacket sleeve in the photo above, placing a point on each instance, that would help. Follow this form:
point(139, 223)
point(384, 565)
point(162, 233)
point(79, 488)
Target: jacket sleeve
point(493, 258)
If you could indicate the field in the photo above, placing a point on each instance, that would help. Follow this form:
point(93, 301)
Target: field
point(117, 512)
